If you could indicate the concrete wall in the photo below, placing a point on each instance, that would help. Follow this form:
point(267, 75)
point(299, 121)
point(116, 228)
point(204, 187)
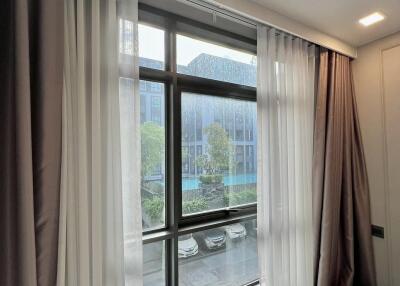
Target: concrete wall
point(377, 86)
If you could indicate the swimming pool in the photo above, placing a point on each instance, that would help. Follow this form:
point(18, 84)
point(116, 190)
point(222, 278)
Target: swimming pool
point(230, 180)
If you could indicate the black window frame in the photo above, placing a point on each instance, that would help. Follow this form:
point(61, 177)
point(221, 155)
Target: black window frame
point(175, 83)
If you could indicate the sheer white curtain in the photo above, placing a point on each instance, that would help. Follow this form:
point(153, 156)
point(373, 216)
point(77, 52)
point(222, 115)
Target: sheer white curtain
point(100, 153)
point(285, 114)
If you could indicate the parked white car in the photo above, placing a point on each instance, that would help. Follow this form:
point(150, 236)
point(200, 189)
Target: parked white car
point(187, 246)
point(214, 238)
point(236, 231)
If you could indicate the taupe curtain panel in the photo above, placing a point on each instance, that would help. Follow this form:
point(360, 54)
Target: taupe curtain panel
point(341, 210)
point(31, 81)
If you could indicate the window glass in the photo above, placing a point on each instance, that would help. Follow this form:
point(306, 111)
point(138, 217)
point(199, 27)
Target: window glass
point(156, 108)
point(219, 256)
point(217, 171)
point(126, 35)
point(153, 154)
point(154, 264)
point(204, 59)
point(152, 127)
point(151, 48)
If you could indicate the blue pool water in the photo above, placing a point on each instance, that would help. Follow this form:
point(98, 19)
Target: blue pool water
point(193, 183)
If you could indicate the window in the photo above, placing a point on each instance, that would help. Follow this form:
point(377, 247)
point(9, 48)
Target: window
point(221, 182)
point(153, 155)
point(198, 182)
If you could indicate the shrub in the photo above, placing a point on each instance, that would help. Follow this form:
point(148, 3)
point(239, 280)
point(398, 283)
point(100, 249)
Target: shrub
point(154, 207)
point(193, 206)
point(240, 197)
point(210, 179)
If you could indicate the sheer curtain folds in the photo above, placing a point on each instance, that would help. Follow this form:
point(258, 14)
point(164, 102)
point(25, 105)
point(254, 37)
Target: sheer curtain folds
point(97, 165)
point(285, 112)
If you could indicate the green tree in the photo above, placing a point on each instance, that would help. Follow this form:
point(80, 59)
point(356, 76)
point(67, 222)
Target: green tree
point(152, 144)
point(219, 151)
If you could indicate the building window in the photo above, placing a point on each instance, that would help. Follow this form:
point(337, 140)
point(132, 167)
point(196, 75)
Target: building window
point(142, 86)
point(239, 126)
point(229, 123)
point(199, 122)
point(125, 37)
point(156, 107)
point(198, 108)
point(250, 159)
point(239, 159)
point(249, 126)
point(185, 160)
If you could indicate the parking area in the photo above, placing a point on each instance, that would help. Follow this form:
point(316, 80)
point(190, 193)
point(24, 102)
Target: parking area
point(235, 264)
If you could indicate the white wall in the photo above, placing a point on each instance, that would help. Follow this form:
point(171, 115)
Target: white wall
point(377, 85)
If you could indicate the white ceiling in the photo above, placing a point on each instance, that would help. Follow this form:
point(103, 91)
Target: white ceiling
point(339, 18)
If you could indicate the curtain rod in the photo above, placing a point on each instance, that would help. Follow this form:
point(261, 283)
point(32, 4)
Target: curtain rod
point(212, 9)
point(199, 4)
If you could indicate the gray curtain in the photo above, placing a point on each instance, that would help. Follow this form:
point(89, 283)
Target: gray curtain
point(341, 210)
point(31, 81)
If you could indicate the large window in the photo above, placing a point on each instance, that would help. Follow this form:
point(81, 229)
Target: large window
point(198, 180)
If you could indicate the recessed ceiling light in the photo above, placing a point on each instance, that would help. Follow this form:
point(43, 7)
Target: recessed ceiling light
point(372, 19)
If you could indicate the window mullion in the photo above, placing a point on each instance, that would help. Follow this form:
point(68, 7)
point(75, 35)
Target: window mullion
point(173, 201)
